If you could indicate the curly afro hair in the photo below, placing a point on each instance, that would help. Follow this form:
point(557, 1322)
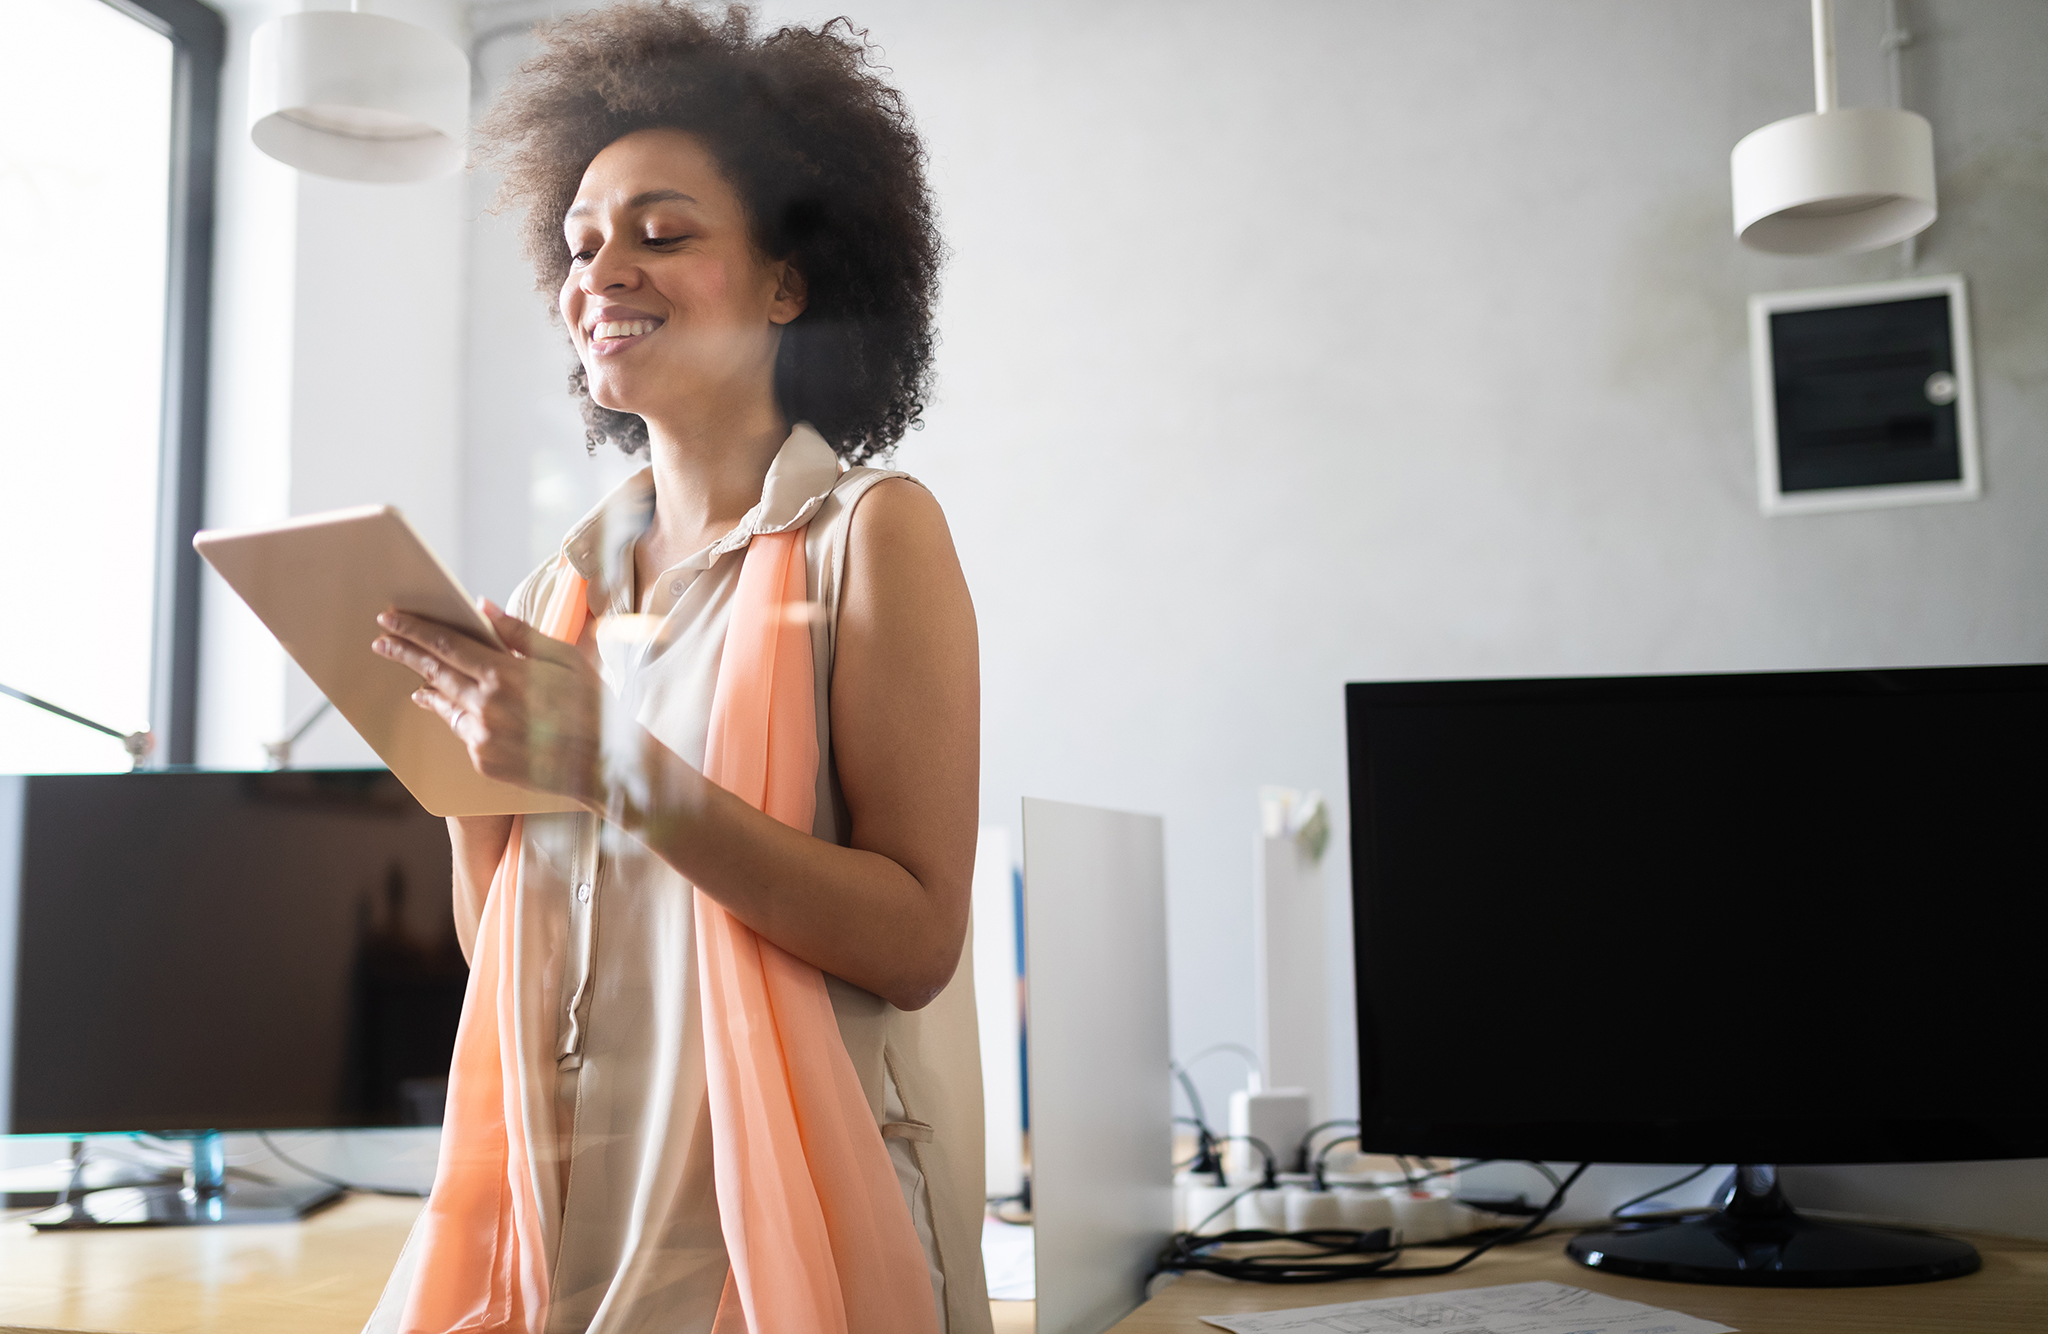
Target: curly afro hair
point(822, 154)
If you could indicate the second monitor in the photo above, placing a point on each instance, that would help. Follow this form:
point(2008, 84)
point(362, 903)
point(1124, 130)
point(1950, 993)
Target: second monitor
point(1754, 918)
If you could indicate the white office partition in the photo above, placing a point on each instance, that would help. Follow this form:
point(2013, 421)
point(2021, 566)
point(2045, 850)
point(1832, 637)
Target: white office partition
point(1292, 993)
point(998, 1003)
point(1096, 1026)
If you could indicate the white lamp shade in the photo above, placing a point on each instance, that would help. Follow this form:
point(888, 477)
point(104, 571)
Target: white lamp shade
point(360, 97)
point(1834, 181)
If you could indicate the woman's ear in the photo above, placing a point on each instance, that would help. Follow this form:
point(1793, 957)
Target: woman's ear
point(792, 294)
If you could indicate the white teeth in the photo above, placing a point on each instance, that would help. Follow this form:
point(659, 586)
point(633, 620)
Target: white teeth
point(621, 328)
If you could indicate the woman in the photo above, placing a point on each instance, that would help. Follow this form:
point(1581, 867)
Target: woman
point(740, 241)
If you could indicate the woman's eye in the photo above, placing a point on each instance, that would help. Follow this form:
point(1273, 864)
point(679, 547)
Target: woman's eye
point(580, 256)
point(667, 240)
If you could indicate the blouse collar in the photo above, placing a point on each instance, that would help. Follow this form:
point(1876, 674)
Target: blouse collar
point(600, 546)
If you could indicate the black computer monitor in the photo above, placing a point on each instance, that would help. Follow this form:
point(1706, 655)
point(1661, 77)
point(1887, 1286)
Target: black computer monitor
point(202, 951)
point(1757, 918)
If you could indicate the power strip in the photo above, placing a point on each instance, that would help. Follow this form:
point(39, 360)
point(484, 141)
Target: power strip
point(1417, 1215)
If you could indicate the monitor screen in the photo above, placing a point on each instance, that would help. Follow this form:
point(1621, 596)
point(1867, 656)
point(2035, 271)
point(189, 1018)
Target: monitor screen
point(1786, 917)
point(223, 951)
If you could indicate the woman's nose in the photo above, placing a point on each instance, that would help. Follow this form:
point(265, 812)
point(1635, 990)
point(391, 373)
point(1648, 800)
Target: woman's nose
point(609, 271)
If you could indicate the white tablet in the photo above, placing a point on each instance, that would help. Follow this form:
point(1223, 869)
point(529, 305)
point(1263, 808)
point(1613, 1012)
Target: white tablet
point(318, 583)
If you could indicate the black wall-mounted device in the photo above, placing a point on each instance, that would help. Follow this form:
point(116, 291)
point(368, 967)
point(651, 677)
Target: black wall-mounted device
point(1866, 395)
point(1863, 396)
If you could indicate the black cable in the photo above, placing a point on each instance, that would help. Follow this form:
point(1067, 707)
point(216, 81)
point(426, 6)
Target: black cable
point(1230, 1203)
point(1434, 1173)
point(1306, 1154)
point(1187, 1252)
point(1535, 1221)
point(1532, 1165)
point(1321, 1261)
point(315, 1173)
point(1205, 1159)
point(1319, 1164)
point(1272, 1177)
point(1194, 1099)
point(1268, 1182)
point(1620, 1210)
point(1316, 1130)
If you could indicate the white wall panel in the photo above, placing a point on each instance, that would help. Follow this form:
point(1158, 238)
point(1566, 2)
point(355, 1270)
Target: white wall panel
point(1095, 975)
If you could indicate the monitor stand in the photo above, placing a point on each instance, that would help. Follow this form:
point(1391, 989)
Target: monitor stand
point(206, 1197)
point(43, 1184)
point(1757, 1239)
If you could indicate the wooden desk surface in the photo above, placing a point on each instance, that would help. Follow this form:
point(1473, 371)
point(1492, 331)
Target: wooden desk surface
point(2008, 1296)
point(322, 1276)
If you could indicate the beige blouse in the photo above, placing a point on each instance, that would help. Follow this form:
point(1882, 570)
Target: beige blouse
point(610, 1036)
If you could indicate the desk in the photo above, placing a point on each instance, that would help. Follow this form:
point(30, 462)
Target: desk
point(322, 1276)
point(2008, 1296)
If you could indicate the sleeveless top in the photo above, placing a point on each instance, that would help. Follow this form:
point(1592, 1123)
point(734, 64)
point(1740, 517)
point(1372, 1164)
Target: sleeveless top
point(609, 1034)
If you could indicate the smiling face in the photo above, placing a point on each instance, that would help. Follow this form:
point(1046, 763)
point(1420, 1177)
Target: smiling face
point(675, 313)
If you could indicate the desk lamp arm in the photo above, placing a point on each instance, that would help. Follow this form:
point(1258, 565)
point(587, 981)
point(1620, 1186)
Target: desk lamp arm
point(138, 744)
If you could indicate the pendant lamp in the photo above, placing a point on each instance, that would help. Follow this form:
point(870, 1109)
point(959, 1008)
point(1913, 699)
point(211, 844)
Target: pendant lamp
point(1839, 180)
point(359, 97)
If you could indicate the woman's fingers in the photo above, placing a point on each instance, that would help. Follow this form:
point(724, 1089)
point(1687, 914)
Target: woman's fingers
point(460, 721)
point(434, 670)
point(524, 639)
point(458, 650)
point(529, 717)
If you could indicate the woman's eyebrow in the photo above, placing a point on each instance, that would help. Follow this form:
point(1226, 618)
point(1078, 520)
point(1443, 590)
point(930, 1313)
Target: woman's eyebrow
point(641, 200)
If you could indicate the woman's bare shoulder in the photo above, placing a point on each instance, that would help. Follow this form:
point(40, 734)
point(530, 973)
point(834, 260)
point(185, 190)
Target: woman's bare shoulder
point(896, 501)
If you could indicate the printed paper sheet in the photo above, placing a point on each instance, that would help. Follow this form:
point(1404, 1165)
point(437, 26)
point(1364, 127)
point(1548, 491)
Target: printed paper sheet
point(1511, 1308)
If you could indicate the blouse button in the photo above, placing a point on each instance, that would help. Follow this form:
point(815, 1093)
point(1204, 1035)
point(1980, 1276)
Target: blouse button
point(675, 590)
point(583, 892)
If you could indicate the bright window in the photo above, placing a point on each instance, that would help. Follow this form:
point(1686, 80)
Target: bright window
point(85, 178)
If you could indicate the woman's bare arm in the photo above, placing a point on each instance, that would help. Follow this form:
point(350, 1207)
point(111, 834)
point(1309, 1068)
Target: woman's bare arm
point(888, 913)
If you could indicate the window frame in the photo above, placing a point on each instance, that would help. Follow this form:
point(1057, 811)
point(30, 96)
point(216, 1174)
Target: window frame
point(198, 36)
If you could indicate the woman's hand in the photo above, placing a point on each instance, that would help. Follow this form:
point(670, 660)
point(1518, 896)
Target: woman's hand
point(532, 716)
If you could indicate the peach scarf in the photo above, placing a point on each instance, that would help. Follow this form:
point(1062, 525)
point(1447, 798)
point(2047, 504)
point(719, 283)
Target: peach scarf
point(816, 1230)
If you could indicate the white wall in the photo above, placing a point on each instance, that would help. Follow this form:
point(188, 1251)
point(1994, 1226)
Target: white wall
point(1296, 344)
point(526, 474)
point(1305, 344)
point(248, 460)
point(338, 337)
